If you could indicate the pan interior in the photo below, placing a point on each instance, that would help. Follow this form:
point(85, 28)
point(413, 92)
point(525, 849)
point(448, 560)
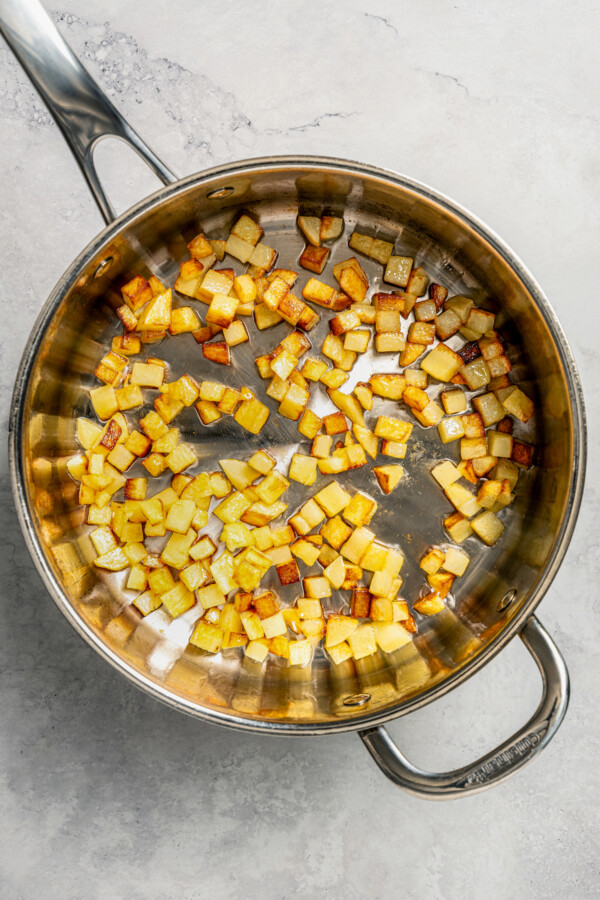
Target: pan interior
point(500, 584)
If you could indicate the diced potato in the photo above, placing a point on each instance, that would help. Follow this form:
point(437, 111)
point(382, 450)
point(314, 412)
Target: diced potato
point(357, 340)
point(394, 449)
point(207, 637)
point(391, 386)
point(321, 446)
point(251, 415)
point(217, 352)
point(451, 428)
point(303, 469)
point(262, 461)
point(454, 401)
point(433, 559)
point(488, 527)
point(429, 605)
point(476, 373)
point(357, 545)
point(393, 429)
point(368, 441)
point(362, 641)
point(518, 404)
point(472, 448)
point(339, 628)
point(442, 363)
point(332, 499)
point(398, 269)
point(316, 586)
point(310, 226)
point(388, 477)
point(458, 527)
point(178, 600)
point(335, 573)
point(294, 402)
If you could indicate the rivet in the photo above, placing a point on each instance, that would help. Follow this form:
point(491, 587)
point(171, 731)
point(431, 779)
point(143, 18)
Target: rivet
point(103, 267)
point(219, 193)
point(357, 700)
point(507, 600)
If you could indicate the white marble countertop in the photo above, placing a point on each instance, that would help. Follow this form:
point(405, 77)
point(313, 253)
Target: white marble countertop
point(104, 792)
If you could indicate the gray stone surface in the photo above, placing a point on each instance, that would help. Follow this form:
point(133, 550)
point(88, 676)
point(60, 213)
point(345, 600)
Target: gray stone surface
point(107, 794)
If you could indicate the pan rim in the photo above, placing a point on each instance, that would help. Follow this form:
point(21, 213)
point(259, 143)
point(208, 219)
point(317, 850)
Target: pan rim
point(16, 461)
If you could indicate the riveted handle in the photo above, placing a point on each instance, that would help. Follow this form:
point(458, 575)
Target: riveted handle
point(505, 760)
point(82, 111)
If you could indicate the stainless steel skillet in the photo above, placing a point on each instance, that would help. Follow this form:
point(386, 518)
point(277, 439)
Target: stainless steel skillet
point(504, 585)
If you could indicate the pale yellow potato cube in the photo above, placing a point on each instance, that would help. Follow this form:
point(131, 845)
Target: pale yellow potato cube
point(475, 373)
point(442, 363)
point(180, 515)
point(451, 428)
point(251, 415)
point(211, 595)
point(253, 625)
point(458, 527)
point(360, 510)
point(362, 641)
point(357, 340)
point(499, 444)
point(357, 545)
point(455, 561)
point(335, 573)
point(488, 527)
point(303, 469)
point(274, 625)
point(333, 498)
point(454, 401)
point(316, 586)
point(398, 269)
point(391, 636)
point(340, 653)
point(301, 653)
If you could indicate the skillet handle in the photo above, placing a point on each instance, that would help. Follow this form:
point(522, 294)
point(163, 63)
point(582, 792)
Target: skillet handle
point(506, 759)
point(83, 113)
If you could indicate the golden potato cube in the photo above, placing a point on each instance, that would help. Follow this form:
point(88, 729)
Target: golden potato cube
point(251, 415)
point(333, 378)
point(314, 258)
point(321, 446)
point(309, 424)
point(207, 637)
point(433, 559)
point(265, 317)
point(398, 269)
point(283, 363)
point(391, 386)
point(361, 242)
point(353, 281)
point(381, 608)
point(458, 527)
point(518, 404)
point(178, 600)
point(232, 508)
point(431, 415)
point(156, 316)
point(450, 429)
point(367, 440)
point(180, 515)
point(303, 469)
point(339, 629)
point(262, 461)
point(393, 429)
point(104, 402)
point(362, 641)
point(335, 532)
point(442, 363)
point(454, 401)
point(456, 561)
point(318, 292)
point(335, 573)
point(476, 373)
point(388, 477)
point(357, 340)
point(274, 625)
point(272, 487)
point(180, 458)
point(316, 586)
point(357, 545)
point(333, 499)
point(176, 551)
point(239, 248)
point(429, 605)
point(360, 510)
point(394, 449)
point(340, 653)
point(294, 402)
point(499, 444)
point(208, 412)
point(147, 602)
point(472, 448)
point(257, 650)
point(222, 310)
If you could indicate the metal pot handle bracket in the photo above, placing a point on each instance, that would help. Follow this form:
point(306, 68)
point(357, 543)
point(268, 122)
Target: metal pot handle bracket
point(84, 114)
point(505, 760)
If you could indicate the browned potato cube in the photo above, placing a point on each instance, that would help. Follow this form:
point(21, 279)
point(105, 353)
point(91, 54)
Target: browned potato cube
point(335, 423)
point(314, 258)
point(361, 603)
point(289, 573)
point(136, 293)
